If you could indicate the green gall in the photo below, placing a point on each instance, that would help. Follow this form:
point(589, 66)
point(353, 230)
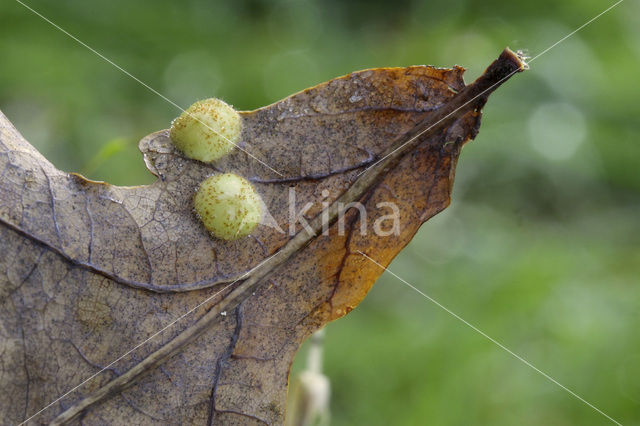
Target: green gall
point(228, 206)
point(207, 130)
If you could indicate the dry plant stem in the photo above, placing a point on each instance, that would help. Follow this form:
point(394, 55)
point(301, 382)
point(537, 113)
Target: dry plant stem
point(471, 97)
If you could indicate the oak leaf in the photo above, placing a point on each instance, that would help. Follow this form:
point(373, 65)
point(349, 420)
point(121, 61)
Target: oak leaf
point(203, 330)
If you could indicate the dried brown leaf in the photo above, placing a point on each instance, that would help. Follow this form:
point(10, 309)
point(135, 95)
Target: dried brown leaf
point(89, 270)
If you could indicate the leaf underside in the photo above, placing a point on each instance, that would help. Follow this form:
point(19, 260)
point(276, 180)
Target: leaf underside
point(89, 270)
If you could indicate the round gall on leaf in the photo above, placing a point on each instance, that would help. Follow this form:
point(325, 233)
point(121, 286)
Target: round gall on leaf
point(228, 205)
point(207, 130)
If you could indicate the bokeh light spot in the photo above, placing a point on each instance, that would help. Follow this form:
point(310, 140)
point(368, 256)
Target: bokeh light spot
point(556, 130)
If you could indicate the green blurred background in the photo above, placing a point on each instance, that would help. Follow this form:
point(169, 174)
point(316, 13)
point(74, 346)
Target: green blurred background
point(540, 248)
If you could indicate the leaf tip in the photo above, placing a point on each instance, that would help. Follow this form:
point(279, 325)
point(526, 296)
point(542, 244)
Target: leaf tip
point(519, 58)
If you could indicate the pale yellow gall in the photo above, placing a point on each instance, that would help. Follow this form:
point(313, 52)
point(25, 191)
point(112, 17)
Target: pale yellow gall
point(207, 130)
point(228, 205)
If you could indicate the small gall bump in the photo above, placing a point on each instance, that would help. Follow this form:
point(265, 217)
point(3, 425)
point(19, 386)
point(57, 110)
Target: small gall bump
point(228, 206)
point(207, 130)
